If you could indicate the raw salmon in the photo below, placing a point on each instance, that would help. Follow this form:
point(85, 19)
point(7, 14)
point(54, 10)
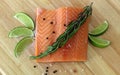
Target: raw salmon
point(50, 24)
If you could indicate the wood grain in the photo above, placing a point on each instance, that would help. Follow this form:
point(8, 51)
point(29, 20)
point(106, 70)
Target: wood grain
point(101, 61)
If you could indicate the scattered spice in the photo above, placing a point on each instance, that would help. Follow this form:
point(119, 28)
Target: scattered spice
point(47, 38)
point(65, 25)
point(54, 71)
point(51, 22)
point(53, 31)
point(34, 66)
point(43, 18)
point(46, 70)
point(45, 74)
point(47, 67)
point(74, 70)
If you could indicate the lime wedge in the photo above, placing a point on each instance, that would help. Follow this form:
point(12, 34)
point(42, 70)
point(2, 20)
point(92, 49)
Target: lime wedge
point(21, 45)
point(98, 42)
point(25, 19)
point(20, 31)
point(99, 29)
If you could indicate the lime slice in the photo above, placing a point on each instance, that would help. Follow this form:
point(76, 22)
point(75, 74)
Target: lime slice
point(25, 19)
point(98, 42)
point(20, 31)
point(99, 29)
point(21, 45)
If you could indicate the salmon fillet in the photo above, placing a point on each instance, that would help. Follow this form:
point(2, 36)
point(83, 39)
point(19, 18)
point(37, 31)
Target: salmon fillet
point(52, 23)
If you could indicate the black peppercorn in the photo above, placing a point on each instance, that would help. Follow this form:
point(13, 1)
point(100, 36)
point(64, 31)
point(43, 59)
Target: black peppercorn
point(53, 31)
point(65, 25)
point(54, 71)
point(51, 22)
point(47, 38)
point(45, 74)
point(34, 66)
point(43, 18)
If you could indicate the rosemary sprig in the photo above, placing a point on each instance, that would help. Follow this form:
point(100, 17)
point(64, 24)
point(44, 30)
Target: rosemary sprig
point(72, 28)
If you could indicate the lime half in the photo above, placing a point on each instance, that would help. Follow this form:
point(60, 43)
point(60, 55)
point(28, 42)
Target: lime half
point(25, 19)
point(21, 45)
point(20, 31)
point(99, 29)
point(98, 42)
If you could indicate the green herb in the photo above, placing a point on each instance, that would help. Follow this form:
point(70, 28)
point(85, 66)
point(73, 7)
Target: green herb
point(72, 28)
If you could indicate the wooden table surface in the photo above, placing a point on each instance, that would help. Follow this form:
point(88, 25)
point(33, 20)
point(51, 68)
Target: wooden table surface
point(101, 61)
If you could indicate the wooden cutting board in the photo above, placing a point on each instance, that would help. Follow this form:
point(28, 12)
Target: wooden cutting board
point(101, 61)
